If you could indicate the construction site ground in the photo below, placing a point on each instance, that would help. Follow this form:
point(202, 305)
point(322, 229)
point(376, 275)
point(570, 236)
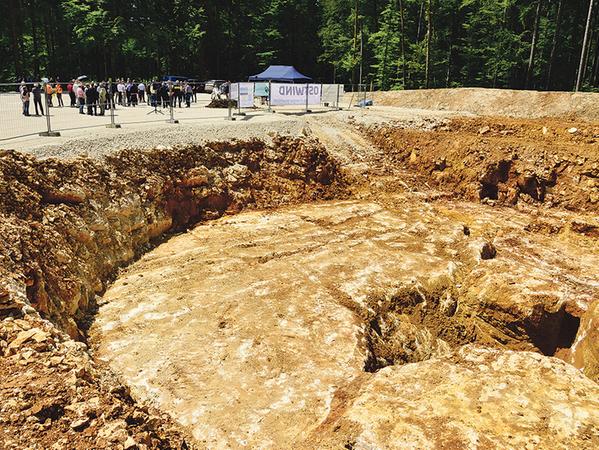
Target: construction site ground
point(373, 278)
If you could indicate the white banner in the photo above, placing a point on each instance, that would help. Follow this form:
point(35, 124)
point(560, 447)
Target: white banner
point(243, 93)
point(294, 94)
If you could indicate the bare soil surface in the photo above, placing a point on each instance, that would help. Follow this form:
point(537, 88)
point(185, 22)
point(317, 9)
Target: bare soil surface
point(381, 278)
point(245, 329)
point(497, 102)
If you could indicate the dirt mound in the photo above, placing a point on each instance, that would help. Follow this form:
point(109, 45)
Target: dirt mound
point(496, 102)
point(509, 161)
point(221, 103)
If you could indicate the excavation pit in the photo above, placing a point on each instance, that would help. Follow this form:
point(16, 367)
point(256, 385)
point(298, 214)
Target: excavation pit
point(246, 329)
point(253, 293)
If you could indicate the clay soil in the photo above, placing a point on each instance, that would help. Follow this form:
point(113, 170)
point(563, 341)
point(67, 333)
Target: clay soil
point(381, 242)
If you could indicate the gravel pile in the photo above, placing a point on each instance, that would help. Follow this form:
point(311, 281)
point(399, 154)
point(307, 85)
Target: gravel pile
point(169, 135)
point(96, 145)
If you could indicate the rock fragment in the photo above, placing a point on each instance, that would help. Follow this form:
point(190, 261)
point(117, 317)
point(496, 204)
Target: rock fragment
point(488, 251)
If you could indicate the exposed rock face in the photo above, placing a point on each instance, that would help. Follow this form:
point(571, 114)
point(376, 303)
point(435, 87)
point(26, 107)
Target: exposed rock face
point(250, 329)
point(474, 398)
point(585, 350)
point(511, 162)
point(67, 225)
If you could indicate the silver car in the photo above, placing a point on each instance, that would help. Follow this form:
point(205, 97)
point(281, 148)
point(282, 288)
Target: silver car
point(211, 84)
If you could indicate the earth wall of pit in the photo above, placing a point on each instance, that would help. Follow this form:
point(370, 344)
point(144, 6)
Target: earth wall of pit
point(68, 225)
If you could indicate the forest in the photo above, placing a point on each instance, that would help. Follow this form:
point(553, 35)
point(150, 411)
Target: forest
point(392, 44)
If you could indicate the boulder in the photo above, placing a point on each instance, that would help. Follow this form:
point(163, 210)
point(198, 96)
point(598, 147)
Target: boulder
point(474, 398)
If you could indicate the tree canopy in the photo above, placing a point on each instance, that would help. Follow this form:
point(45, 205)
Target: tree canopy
point(395, 44)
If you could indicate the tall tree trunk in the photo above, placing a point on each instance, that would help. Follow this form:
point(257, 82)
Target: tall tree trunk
point(449, 52)
point(595, 64)
point(589, 47)
point(35, 54)
point(584, 47)
point(384, 86)
point(14, 7)
point(558, 19)
point(533, 45)
point(355, 51)
point(402, 43)
point(429, 35)
point(499, 49)
point(420, 15)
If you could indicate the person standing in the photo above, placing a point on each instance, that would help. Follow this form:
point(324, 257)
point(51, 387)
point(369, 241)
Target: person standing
point(141, 87)
point(102, 95)
point(81, 98)
point(72, 96)
point(188, 94)
point(128, 91)
point(133, 91)
point(112, 94)
point(121, 91)
point(91, 100)
point(176, 94)
point(37, 99)
point(165, 94)
point(59, 94)
point(49, 92)
point(25, 98)
point(154, 92)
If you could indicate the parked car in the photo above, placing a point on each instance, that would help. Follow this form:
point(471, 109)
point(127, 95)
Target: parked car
point(198, 86)
point(212, 84)
point(174, 78)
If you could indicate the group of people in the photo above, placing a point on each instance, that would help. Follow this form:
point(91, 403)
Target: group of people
point(94, 98)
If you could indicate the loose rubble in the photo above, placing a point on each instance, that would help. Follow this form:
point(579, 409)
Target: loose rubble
point(54, 396)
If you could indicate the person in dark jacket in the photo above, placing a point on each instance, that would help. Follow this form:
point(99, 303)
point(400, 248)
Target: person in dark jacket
point(133, 91)
point(72, 95)
point(113, 95)
point(164, 94)
point(37, 99)
point(89, 99)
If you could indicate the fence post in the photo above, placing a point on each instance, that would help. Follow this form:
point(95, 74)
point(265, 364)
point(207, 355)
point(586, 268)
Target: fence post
point(112, 104)
point(238, 113)
point(321, 96)
point(49, 131)
point(307, 87)
point(337, 101)
point(229, 107)
point(269, 95)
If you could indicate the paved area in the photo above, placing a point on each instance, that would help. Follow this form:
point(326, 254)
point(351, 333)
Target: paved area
point(17, 131)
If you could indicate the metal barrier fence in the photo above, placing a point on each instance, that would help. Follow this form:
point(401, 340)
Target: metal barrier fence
point(48, 113)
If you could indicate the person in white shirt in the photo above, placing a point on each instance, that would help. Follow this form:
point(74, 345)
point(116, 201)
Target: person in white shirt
point(141, 91)
point(120, 88)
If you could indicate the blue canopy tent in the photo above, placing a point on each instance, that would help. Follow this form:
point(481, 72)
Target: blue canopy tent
point(285, 74)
